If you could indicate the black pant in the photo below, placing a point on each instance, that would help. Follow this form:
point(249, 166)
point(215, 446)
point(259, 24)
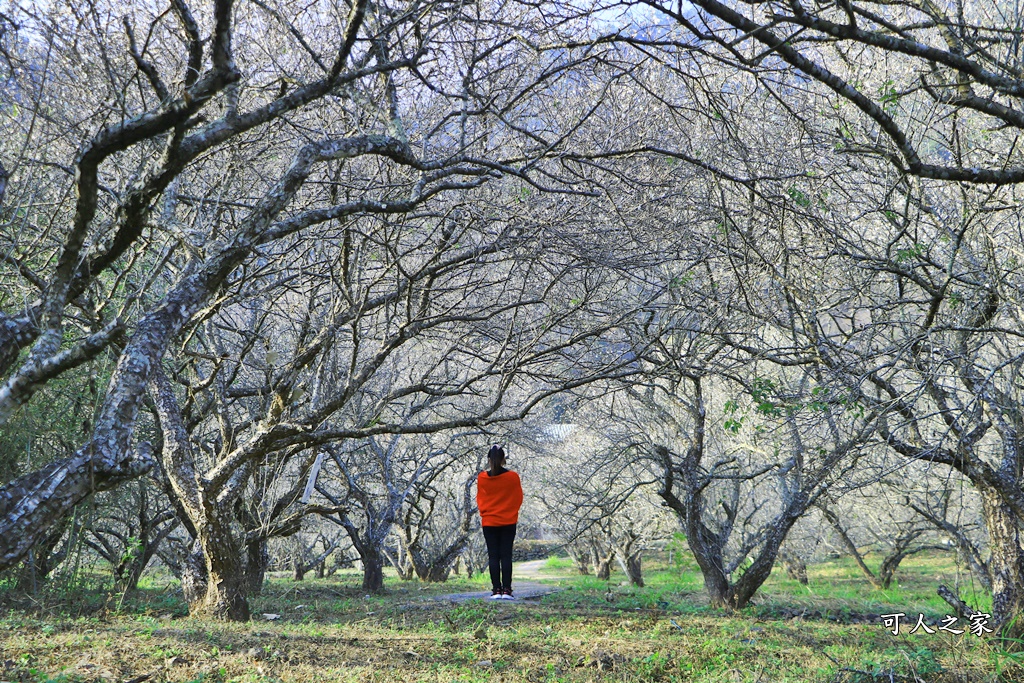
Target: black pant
point(499, 554)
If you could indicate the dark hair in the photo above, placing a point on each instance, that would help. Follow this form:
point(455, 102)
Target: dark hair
point(496, 455)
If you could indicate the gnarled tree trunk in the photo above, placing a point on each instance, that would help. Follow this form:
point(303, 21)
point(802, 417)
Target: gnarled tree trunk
point(602, 562)
point(436, 569)
point(227, 585)
point(708, 533)
point(194, 577)
point(1006, 563)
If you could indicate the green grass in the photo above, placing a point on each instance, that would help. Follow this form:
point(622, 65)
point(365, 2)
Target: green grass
point(592, 630)
point(558, 564)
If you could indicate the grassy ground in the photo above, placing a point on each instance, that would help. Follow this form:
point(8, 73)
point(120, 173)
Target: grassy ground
point(592, 630)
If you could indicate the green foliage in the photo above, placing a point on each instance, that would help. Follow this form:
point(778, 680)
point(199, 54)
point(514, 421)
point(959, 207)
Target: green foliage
point(54, 422)
point(799, 197)
point(910, 253)
point(680, 280)
point(761, 390)
point(889, 97)
point(766, 403)
point(679, 550)
point(132, 551)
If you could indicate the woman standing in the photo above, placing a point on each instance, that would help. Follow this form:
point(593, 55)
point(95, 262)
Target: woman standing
point(499, 495)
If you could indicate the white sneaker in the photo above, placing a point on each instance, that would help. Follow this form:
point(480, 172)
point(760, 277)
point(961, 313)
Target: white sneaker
point(507, 595)
point(497, 595)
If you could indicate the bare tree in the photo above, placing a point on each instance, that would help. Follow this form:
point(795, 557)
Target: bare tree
point(224, 166)
point(305, 556)
point(390, 485)
point(434, 528)
point(895, 77)
point(595, 497)
point(130, 526)
point(900, 539)
point(961, 521)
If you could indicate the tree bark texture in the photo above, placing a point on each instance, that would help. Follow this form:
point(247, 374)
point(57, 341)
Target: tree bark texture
point(31, 505)
point(373, 569)
point(227, 585)
point(194, 578)
point(1006, 564)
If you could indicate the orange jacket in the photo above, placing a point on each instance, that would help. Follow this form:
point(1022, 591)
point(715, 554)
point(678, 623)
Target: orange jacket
point(499, 498)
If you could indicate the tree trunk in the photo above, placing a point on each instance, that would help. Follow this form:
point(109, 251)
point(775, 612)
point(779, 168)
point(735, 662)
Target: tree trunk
point(437, 572)
point(633, 568)
point(227, 581)
point(887, 571)
point(761, 568)
point(795, 567)
point(439, 567)
point(405, 572)
point(851, 547)
point(716, 583)
point(32, 504)
point(131, 571)
point(257, 560)
point(130, 580)
point(706, 547)
point(373, 570)
point(466, 560)
point(968, 551)
point(225, 593)
point(320, 569)
point(603, 566)
point(299, 568)
point(1006, 564)
point(402, 562)
point(708, 553)
point(194, 578)
point(579, 560)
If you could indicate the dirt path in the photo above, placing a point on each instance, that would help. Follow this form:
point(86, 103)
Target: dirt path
point(524, 584)
point(531, 570)
point(524, 590)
